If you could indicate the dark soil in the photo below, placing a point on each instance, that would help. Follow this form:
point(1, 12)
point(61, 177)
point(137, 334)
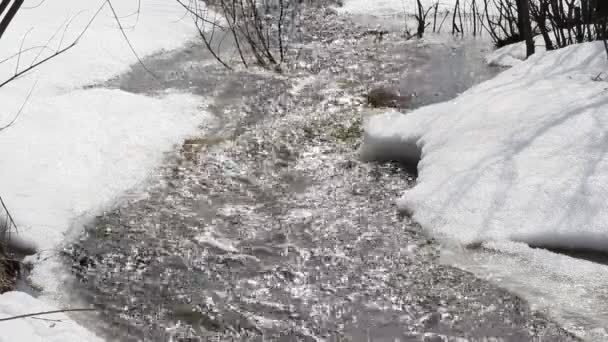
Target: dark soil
point(9, 270)
point(383, 97)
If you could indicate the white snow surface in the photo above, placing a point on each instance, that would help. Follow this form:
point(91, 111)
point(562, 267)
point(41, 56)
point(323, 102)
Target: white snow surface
point(392, 7)
point(56, 327)
point(102, 52)
point(513, 54)
point(395, 15)
point(519, 158)
point(75, 150)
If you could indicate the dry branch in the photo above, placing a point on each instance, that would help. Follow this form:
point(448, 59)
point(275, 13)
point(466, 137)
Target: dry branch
point(41, 313)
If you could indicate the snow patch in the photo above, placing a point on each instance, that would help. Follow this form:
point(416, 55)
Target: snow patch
point(56, 327)
point(497, 163)
point(385, 140)
point(101, 53)
point(69, 155)
point(519, 158)
point(573, 291)
point(389, 7)
point(74, 151)
point(513, 54)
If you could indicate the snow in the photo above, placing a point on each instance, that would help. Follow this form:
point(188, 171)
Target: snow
point(56, 327)
point(75, 150)
point(395, 15)
point(513, 54)
point(89, 146)
point(507, 56)
point(571, 290)
point(517, 159)
point(391, 7)
point(507, 168)
point(102, 52)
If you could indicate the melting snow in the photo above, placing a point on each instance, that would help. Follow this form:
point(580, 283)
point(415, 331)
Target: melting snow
point(390, 7)
point(56, 327)
point(519, 158)
point(73, 151)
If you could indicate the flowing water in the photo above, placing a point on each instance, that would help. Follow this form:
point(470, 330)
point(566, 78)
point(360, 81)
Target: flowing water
point(266, 226)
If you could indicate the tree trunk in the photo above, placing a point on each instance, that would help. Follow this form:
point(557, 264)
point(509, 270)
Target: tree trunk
point(10, 14)
point(525, 26)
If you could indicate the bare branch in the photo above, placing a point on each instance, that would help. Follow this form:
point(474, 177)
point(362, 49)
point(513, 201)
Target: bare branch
point(19, 111)
point(31, 67)
point(9, 15)
point(21, 49)
point(124, 34)
point(35, 6)
point(8, 215)
point(44, 313)
point(195, 13)
point(57, 53)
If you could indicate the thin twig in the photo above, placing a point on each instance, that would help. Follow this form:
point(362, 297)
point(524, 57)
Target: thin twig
point(19, 112)
point(44, 313)
point(34, 6)
point(26, 70)
point(57, 53)
point(48, 42)
point(21, 49)
point(48, 319)
point(8, 214)
point(193, 12)
point(41, 47)
point(65, 30)
point(124, 34)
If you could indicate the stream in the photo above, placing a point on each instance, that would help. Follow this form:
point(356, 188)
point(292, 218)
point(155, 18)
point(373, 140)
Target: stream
point(266, 226)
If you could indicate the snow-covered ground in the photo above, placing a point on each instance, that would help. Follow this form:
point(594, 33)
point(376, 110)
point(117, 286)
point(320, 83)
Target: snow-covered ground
point(518, 160)
point(54, 327)
point(397, 15)
point(513, 54)
point(393, 7)
point(74, 150)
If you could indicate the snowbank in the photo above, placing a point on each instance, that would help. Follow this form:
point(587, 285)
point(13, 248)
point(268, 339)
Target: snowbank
point(516, 161)
point(520, 157)
point(74, 150)
point(508, 55)
point(70, 153)
point(512, 54)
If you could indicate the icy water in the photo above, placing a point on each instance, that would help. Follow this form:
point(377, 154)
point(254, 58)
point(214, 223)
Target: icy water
point(568, 285)
point(266, 226)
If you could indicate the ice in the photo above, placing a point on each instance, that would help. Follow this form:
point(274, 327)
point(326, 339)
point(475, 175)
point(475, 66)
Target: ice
point(517, 159)
point(570, 290)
